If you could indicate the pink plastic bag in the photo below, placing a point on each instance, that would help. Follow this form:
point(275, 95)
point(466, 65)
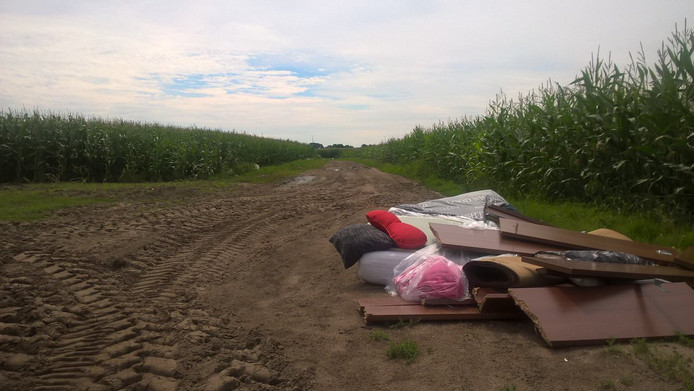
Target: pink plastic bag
point(433, 277)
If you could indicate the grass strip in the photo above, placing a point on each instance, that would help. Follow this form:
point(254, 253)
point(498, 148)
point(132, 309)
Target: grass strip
point(654, 227)
point(30, 202)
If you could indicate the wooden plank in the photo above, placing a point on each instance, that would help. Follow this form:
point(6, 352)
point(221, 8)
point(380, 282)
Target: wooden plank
point(387, 309)
point(396, 300)
point(610, 270)
point(382, 301)
point(578, 240)
point(396, 313)
point(488, 241)
point(592, 315)
point(686, 258)
point(448, 302)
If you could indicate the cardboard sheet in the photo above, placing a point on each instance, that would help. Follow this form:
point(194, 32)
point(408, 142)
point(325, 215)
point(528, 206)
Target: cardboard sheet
point(592, 315)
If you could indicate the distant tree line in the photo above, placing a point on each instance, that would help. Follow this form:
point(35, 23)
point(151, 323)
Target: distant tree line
point(320, 146)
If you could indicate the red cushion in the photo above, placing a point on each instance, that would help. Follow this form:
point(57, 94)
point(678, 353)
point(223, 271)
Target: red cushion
point(404, 235)
point(407, 236)
point(381, 219)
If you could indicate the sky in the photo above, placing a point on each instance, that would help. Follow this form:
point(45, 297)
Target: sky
point(332, 72)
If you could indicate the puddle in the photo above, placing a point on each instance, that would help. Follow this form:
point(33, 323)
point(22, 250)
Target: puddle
point(301, 180)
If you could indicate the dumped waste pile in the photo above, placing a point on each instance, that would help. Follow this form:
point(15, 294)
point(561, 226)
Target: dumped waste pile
point(475, 257)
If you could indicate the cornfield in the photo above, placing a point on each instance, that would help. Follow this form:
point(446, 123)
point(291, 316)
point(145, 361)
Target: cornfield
point(39, 146)
point(620, 137)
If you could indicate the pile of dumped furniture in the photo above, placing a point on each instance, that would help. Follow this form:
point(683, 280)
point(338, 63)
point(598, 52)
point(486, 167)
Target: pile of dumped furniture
point(475, 257)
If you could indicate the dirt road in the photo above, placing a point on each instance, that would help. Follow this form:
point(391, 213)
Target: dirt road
point(242, 290)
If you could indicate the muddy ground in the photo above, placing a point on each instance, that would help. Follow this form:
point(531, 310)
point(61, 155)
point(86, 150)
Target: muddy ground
point(242, 290)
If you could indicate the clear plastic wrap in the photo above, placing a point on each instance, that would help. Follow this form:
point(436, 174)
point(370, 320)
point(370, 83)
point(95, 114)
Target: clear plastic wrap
point(601, 256)
point(465, 222)
point(430, 273)
point(467, 205)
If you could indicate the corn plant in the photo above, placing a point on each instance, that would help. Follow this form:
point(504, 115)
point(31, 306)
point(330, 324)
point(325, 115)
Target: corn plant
point(42, 146)
point(621, 136)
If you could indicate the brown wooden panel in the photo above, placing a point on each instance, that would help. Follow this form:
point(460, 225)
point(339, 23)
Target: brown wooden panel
point(388, 309)
point(610, 270)
point(592, 315)
point(396, 313)
point(579, 240)
point(384, 300)
point(488, 241)
point(448, 302)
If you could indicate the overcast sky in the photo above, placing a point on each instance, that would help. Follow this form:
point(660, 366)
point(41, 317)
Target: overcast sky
point(351, 72)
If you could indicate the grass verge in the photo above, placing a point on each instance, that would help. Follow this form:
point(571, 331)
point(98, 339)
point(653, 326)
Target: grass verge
point(654, 228)
point(34, 201)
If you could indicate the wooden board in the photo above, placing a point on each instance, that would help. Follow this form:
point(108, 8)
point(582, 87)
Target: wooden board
point(488, 241)
point(610, 270)
point(592, 315)
point(578, 240)
point(448, 302)
point(393, 309)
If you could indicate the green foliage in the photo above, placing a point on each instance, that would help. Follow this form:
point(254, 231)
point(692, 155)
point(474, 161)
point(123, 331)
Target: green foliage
point(618, 137)
point(669, 364)
point(39, 147)
point(329, 153)
point(405, 350)
point(379, 335)
point(683, 339)
point(648, 226)
point(613, 348)
point(609, 384)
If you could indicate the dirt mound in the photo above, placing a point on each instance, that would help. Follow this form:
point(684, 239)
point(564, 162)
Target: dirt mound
point(242, 290)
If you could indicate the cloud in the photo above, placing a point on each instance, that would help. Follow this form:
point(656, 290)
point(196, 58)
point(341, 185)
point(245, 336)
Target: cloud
point(347, 72)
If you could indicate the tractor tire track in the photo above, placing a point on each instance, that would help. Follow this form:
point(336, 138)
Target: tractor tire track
point(112, 339)
point(117, 297)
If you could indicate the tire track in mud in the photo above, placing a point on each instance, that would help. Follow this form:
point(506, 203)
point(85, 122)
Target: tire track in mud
point(68, 322)
point(172, 284)
point(112, 339)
